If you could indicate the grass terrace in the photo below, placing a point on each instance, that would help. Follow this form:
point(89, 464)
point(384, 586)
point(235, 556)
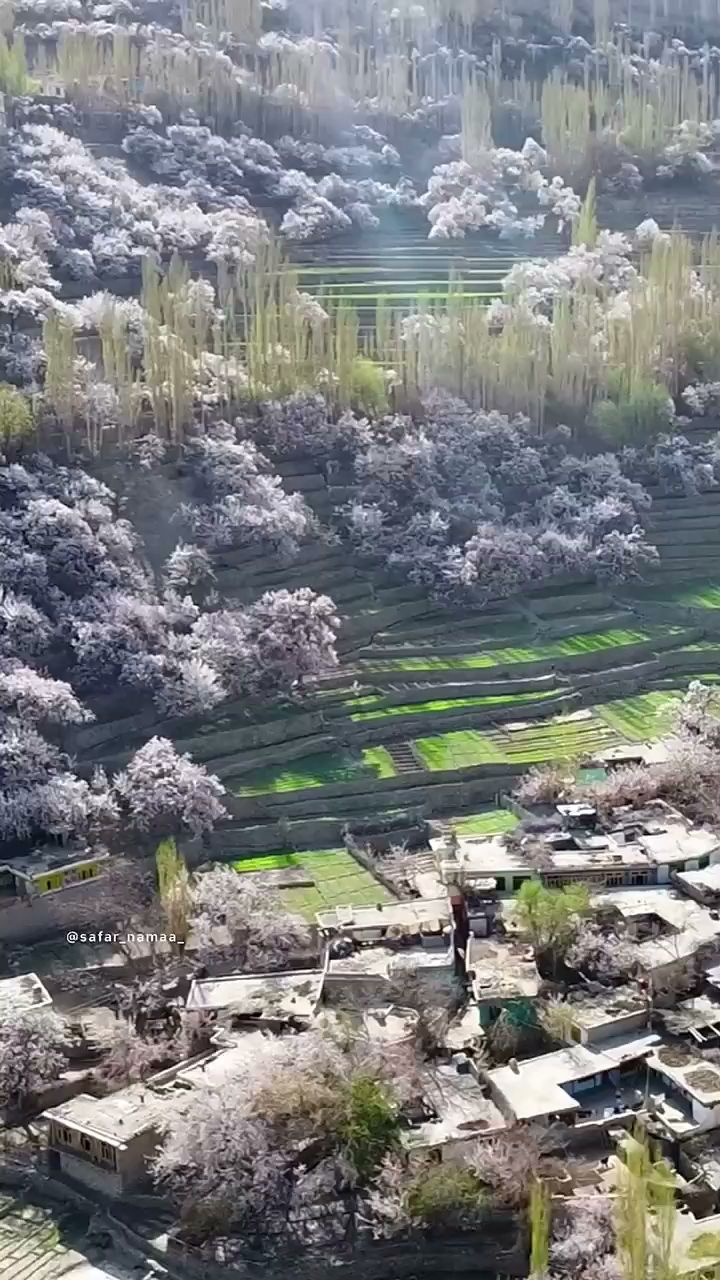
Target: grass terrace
point(698, 595)
point(561, 738)
point(458, 750)
point(642, 717)
point(317, 771)
point(450, 704)
point(493, 823)
point(337, 880)
point(569, 646)
point(706, 596)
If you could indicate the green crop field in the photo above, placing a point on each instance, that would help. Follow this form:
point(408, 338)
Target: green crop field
point(569, 646)
point(338, 880)
point(554, 739)
point(492, 823)
point(378, 759)
point(642, 717)
point(458, 750)
point(450, 704)
point(266, 862)
point(705, 596)
point(317, 771)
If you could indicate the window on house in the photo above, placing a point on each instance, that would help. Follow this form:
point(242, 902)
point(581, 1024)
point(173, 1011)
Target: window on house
point(48, 884)
point(518, 881)
point(85, 1143)
point(639, 877)
point(65, 1135)
point(614, 878)
point(107, 1153)
point(500, 882)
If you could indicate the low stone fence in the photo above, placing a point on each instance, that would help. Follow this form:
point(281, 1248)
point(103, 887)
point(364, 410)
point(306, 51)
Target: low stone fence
point(464, 681)
point(231, 734)
point(588, 602)
point(496, 1248)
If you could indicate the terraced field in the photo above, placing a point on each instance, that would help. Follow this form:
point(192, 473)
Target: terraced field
point(641, 718)
point(492, 823)
point(401, 266)
point(432, 715)
point(435, 715)
point(318, 771)
point(439, 704)
point(31, 1248)
point(562, 738)
point(336, 879)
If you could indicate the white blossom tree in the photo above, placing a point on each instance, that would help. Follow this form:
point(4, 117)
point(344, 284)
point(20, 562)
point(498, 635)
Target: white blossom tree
point(230, 911)
point(244, 1158)
point(33, 1044)
point(164, 793)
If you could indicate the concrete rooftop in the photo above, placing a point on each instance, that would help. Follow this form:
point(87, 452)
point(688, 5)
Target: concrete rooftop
point(115, 1119)
point(392, 962)
point(689, 925)
point(138, 1108)
point(271, 995)
point(536, 1088)
point(696, 1077)
point(409, 917)
point(461, 1107)
point(24, 991)
point(503, 969)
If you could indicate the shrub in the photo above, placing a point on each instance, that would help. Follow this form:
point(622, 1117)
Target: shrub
point(16, 419)
point(370, 1125)
point(444, 1197)
point(368, 386)
point(647, 410)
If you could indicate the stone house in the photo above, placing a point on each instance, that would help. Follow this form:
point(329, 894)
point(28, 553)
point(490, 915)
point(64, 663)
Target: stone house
point(107, 1143)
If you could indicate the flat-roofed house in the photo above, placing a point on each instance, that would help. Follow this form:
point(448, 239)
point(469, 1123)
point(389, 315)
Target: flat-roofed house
point(107, 1143)
point(24, 991)
point(579, 1082)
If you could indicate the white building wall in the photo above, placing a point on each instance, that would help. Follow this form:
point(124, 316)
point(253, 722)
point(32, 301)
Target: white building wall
point(95, 1176)
point(708, 1117)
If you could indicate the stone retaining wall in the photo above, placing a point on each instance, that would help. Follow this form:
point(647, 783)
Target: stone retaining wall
point(473, 1255)
point(236, 764)
point(312, 833)
point(401, 727)
point(432, 797)
point(499, 675)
